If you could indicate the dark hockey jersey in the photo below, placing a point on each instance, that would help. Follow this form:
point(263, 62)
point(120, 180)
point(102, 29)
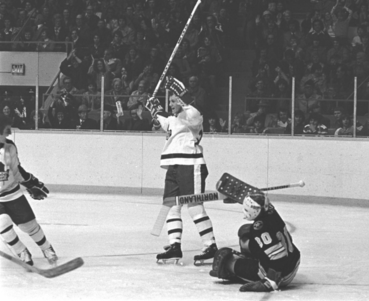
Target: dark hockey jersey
point(272, 244)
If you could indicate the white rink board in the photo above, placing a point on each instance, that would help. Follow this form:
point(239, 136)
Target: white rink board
point(330, 167)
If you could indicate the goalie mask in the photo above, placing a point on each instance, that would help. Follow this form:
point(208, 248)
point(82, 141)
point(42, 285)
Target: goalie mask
point(253, 204)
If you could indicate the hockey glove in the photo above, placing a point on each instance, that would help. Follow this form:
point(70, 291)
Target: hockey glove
point(35, 188)
point(153, 105)
point(176, 86)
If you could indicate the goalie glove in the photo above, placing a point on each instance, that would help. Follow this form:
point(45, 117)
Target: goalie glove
point(154, 106)
point(35, 188)
point(176, 86)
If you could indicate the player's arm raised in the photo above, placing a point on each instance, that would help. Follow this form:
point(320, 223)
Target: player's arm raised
point(192, 115)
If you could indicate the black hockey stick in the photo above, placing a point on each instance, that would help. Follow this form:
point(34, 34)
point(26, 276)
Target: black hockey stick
point(48, 273)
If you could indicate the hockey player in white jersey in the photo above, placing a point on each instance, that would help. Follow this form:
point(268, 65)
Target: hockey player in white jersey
point(183, 158)
point(14, 207)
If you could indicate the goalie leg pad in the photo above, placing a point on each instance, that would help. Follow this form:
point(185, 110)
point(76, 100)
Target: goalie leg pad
point(221, 262)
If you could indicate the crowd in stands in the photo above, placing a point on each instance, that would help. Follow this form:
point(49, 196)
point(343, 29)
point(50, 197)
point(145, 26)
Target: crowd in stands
point(126, 42)
point(120, 48)
point(323, 51)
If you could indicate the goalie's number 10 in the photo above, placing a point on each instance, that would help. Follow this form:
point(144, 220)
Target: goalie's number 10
point(284, 238)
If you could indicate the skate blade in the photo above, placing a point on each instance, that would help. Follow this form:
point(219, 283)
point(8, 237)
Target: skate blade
point(202, 262)
point(174, 261)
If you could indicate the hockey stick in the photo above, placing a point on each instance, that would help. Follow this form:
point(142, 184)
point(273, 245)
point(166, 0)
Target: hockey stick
point(48, 273)
point(175, 48)
point(200, 198)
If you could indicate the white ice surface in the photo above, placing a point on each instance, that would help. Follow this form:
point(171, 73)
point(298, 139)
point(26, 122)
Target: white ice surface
point(112, 234)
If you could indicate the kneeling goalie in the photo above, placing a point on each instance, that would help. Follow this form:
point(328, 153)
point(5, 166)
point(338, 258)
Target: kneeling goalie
point(268, 260)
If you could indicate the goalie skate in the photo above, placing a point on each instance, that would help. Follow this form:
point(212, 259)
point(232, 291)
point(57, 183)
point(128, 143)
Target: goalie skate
point(234, 188)
point(172, 253)
point(207, 253)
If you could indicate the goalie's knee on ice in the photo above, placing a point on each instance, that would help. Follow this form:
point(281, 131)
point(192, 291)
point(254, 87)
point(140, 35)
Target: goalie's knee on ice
point(29, 227)
point(5, 222)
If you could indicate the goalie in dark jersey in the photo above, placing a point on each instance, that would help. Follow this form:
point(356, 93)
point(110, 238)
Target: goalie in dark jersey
point(268, 259)
point(182, 156)
point(14, 207)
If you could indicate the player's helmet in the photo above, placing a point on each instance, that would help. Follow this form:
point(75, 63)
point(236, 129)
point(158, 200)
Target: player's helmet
point(253, 204)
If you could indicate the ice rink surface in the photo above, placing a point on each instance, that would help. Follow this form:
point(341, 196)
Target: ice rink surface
point(112, 234)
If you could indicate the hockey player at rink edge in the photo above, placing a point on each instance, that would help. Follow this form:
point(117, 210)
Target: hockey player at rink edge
point(183, 158)
point(268, 259)
point(14, 207)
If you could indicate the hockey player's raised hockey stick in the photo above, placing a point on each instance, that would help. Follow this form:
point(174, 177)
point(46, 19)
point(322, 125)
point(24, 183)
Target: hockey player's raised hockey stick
point(206, 197)
point(48, 273)
point(175, 49)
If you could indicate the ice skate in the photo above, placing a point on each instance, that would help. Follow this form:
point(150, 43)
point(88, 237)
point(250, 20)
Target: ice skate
point(173, 252)
point(207, 253)
point(50, 255)
point(26, 257)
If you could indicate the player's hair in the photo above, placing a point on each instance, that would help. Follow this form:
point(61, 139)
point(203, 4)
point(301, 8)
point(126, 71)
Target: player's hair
point(4, 122)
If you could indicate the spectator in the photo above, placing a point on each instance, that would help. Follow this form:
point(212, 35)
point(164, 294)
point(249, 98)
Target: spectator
point(58, 33)
point(76, 70)
point(116, 97)
point(67, 103)
point(112, 64)
point(83, 122)
point(42, 123)
point(315, 74)
point(97, 48)
point(84, 31)
point(363, 130)
point(338, 113)
point(315, 127)
point(358, 39)
point(97, 71)
point(90, 18)
point(109, 122)
point(26, 42)
point(118, 50)
point(197, 93)
point(155, 60)
point(262, 113)
point(238, 124)
point(318, 33)
point(308, 99)
point(127, 33)
point(103, 33)
point(127, 81)
point(282, 120)
point(257, 126)
point(147, 76)
point(283, 93)
point(139, 96)
point(338, 50)
point(141, 44)
point(58, 119)
point(341, 16)
point(136, 122)
point(6, 108)
point(67, 20)
point(346, 128)
point(91, 98)
point(298, 125)
point(46, 44)
point(213, 124)
point(257, 97)
point(134, 63)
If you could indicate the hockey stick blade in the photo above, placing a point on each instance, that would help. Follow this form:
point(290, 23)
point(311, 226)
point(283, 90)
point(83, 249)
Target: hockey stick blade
point(48, 273)
point(160, 220)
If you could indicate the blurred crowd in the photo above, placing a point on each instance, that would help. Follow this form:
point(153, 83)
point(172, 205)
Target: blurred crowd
point(323, 50)
point(128, 42)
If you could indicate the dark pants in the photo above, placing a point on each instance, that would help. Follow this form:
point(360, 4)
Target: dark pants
point(19, 210)
point(185, 179)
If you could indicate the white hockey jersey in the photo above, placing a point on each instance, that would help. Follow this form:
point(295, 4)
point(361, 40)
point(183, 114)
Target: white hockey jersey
point(10, 176)
point(184, 133)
